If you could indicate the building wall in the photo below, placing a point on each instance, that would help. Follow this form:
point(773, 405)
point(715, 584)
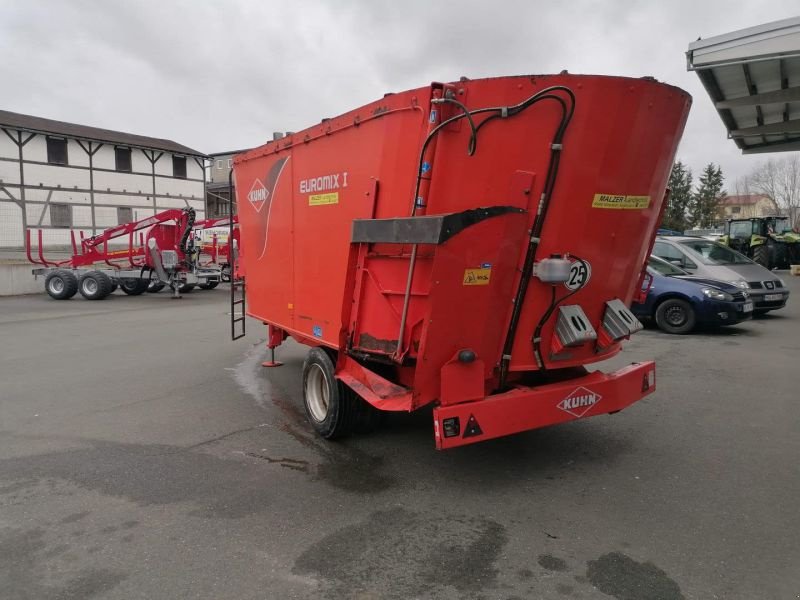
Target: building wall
point(147, 189)
point(764, 207)
point(219, 168)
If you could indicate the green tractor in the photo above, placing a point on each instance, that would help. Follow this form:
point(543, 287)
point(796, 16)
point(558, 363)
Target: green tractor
point(769, 241)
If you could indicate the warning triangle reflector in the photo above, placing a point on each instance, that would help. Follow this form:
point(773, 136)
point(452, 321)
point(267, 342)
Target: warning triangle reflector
point(472, 428)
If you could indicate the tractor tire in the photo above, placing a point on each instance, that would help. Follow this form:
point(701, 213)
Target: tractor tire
point(95, 285)
point(61, 284)
point(761, 255)
point(154, 286)
point(185, 288)
point(331, 407)
point(134, 287)
point(675, 316)
point(208, 285)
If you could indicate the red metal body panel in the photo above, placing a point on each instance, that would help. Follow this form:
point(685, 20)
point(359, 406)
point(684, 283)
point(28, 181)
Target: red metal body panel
point(415, 305)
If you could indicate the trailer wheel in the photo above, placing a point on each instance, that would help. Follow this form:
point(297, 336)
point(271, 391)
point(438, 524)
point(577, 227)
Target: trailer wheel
point(95, 285)
point(133, 286)
point(330, 406)
point(208, 285)
point(154, 286)
point(61, 284)
point(674, 315)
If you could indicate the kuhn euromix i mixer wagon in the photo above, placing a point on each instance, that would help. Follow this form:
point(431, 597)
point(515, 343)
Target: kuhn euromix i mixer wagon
point(471, 245)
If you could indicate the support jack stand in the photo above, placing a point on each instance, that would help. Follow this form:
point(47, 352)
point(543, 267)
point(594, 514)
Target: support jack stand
point(271, 362)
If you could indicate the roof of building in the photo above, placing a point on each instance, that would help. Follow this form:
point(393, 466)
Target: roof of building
point(229, 153)
point(753, 78)
point(50, 126)
point(743, 200)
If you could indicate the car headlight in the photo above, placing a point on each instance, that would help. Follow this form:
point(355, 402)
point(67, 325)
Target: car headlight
point(741, 283)
point(717, 294)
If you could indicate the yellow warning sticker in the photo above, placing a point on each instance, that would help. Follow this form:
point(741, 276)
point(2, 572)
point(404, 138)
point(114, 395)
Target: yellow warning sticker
point(477, 276)
point(320, 199)
point(620, 202)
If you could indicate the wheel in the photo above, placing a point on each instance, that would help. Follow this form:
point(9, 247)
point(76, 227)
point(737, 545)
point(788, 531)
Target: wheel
point(208, 285)
point(675, 316)
point(134, 287)
point(95, 285)
point(761, 255)
point(225, 273)
point(331, 407)
point(185, 288)
point(61, 284)
point(114, 287)
point(155, 285)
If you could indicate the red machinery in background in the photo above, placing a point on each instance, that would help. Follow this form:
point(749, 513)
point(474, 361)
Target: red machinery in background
point(471, 245)
point(165, 255)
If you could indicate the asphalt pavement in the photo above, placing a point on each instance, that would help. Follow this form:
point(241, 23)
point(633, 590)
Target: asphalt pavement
point(145, 455)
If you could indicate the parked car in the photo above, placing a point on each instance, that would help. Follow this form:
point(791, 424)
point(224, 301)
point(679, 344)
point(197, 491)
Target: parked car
point(712, 260)
point(679, 302)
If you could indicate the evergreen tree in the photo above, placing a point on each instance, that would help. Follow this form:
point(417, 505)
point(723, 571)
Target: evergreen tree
point(704, 208)
point(680, 196)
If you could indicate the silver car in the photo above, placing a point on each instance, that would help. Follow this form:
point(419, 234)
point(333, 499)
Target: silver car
point(704, 258)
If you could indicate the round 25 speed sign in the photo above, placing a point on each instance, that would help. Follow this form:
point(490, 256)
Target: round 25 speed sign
point(579, 274)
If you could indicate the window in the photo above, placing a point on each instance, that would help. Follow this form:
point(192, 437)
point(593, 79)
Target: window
point(736, 210)
point(57, 151)
point(179, 166)
point(219, 163)
point(672, 255)
point(713, 253)
point(230, 163)
point(663, 267)
point(61, 215)
point(124, 214)
point(123, 159)
point(740, 229)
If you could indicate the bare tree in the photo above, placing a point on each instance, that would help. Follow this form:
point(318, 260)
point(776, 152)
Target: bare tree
point(780, 180)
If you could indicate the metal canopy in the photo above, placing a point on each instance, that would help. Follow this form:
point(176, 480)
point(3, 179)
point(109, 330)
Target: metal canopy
point(753, 78)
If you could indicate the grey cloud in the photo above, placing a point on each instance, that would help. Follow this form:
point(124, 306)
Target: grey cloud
point(222, 75)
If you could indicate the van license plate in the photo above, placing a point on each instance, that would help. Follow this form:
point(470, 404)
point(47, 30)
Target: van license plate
point(773, 297)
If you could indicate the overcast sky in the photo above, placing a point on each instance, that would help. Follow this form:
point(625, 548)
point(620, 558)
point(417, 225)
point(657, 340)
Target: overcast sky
point(224, 75)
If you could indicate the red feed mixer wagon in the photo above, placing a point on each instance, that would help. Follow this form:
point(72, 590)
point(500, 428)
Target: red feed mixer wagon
point(471, 246)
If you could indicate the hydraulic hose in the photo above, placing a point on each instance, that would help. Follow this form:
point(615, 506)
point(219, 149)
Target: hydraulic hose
point(190, 218)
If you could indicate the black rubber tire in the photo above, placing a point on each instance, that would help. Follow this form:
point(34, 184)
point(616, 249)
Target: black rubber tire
point(185, 288)
point(114, 286)
point(134, 287)
point(676, 316)
point(95, 285)
point(341, 414)
point(154, 286)
point(208, 285)
point(761, 255)
point(61, 284)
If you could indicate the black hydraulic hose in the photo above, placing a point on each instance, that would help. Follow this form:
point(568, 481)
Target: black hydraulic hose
point(536, 230)
point(536, 339)
point(552, 171)
point(188, 229)
point(473, 138)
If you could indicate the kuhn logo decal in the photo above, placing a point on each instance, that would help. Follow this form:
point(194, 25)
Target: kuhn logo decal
point(579, 402)
point(258, 195)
